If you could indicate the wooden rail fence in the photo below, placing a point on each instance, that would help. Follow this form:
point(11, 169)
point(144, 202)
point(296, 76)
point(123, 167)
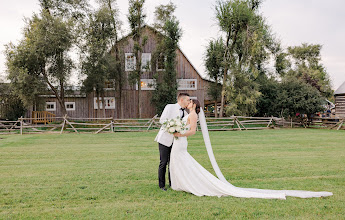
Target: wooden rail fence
point(97, 125)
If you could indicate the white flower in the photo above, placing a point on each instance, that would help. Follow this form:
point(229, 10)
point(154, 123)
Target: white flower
point(183, 131)
point(172, 123)
point(172, 130)
point(178, 128)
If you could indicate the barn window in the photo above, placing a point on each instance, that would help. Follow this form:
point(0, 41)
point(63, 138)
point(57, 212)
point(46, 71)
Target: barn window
point(161, 62)
point(129, 62)
point(187, 84)
point(146, 61)
point(109, 103)
point(70, 106)
point(147, 84)
point(109, 85)
point(50, 106)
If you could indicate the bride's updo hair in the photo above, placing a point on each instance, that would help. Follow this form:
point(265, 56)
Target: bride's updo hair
point(197, 103)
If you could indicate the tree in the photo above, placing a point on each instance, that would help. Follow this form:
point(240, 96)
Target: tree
point(11, 106)
point(136, 18)
point(248, 44)
point(214, 68)
point(98, 63)
point(24, 82)
point(46, 44)
point(166, 83)
point(287, 98)
point(266, 104)
point(306, 66)
point(42, 56)
point(163, 13)
point(295, 96)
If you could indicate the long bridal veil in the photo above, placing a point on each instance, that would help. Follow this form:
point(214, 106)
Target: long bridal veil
point(294, 193)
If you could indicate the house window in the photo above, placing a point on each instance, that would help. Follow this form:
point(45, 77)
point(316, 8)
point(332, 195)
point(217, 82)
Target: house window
point(129, 62)
point(161, 62)
point(50, 106)
point(109, 103)
point(147, 84)
point(70, 106)
point(187, 84)
point(193, 98)
point(146, 61)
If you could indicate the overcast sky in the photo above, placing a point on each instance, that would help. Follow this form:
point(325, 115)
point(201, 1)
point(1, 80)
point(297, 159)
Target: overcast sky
point(294, 22)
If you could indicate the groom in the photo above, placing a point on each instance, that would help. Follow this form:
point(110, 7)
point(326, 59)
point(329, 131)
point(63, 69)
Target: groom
point(164, 139)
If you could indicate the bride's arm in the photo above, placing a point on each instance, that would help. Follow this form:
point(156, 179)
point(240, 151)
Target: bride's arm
point(193, 123)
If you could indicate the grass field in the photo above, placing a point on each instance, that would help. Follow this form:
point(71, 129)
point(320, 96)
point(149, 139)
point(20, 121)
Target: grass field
point(114, 176)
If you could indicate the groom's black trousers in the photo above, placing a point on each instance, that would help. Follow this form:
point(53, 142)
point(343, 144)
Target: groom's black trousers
point(164, 153)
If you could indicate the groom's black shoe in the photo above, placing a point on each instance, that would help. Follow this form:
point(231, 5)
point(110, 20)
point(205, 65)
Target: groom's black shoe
point(163, 188)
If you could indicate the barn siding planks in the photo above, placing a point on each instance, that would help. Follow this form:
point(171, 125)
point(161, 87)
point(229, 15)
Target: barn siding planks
point(340, 105)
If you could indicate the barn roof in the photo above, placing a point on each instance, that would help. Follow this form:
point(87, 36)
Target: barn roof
point(340, 90)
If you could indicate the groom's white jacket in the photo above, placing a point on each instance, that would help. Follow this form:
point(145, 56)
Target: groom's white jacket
point(170, 111)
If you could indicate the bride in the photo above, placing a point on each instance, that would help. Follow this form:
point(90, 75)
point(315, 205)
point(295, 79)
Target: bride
point(188, 175)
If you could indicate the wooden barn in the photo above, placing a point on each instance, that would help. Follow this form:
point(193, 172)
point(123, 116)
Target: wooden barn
point(81, 105)
point(339, 96)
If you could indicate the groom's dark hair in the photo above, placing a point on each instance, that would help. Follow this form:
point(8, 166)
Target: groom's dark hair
point(181, 95)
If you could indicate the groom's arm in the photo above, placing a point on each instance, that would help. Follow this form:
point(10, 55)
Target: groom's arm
point(165, 114)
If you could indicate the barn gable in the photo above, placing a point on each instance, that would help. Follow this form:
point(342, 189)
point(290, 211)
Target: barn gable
point(340, 90)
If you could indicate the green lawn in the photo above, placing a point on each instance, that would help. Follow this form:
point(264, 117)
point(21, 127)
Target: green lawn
point(114, 176)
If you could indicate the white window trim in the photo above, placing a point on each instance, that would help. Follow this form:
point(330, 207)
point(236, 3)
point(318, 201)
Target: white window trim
point(95, 106)
point(127, 68)
point(187, 80)
point(147, 82)
point(148, 60)
point(193, 98)
point(51, 103)
point(69, 103)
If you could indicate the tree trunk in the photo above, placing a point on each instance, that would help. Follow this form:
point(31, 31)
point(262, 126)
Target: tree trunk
point(62, 95)
point(98, 105)
point(227, 50)
point(215, 109)
point(222, 100)
point(120, 113)
point(121, 102)
point(103, 104)
point(60, 99)
point(139, 97)
point(139, 82)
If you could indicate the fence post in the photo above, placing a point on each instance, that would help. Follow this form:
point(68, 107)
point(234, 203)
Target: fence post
point(21, 125)
point(75, 130)
point(291, 122)
point(152, 120)
point(342, 121)
point(271, 121)
point(63, 124)
point(112, 126)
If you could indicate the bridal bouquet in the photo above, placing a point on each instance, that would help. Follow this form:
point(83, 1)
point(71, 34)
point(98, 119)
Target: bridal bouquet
point(174, 125)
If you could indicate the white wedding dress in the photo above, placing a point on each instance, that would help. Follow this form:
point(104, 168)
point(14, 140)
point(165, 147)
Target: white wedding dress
point(188, 175)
